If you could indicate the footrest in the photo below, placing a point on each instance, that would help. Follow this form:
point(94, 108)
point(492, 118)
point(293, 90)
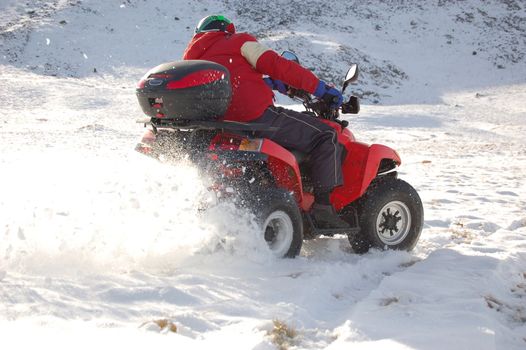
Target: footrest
point(330, 231)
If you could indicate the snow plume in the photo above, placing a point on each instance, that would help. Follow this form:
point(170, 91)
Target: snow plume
point(117, 214)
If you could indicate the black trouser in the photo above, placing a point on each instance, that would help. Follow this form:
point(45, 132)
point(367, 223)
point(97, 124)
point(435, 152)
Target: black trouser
point(307, 134)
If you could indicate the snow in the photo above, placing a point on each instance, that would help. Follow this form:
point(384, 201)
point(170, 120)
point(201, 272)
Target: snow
point(98, 242)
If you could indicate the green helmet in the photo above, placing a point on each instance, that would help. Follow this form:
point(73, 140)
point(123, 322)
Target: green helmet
point(215, 23)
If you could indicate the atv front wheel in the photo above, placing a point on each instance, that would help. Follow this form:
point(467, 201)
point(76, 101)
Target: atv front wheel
point(281, 222)
point(390, 215)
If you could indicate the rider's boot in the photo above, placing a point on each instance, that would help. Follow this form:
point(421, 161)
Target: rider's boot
point(326, 217)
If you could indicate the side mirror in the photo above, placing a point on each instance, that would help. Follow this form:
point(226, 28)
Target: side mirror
point(351, 76)
point(291, 56)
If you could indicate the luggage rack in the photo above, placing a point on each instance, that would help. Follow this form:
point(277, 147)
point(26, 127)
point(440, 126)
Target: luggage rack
point(179, 124)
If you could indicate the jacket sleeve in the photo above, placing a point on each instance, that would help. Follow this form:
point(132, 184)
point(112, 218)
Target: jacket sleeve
point(267, 61)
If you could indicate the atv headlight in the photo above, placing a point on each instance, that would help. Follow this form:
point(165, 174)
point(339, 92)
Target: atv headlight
point(251, 145)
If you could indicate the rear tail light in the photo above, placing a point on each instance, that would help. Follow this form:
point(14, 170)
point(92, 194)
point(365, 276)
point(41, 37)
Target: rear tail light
point(143, 148)
point(157, 105)
point(251, 145)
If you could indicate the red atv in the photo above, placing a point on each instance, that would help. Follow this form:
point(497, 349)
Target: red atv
point(185, 100)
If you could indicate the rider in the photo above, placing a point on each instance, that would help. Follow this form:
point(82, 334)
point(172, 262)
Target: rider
point(247, 60)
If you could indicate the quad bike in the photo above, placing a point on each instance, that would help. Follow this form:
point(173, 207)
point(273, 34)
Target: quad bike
point(184, 101)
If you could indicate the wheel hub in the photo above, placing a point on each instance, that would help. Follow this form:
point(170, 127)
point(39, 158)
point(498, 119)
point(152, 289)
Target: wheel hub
point(393, 223)
point(270, 231)
point(390, 221)
point(278, 232)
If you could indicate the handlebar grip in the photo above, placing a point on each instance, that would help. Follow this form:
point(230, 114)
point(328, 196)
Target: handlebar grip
point(352, 106)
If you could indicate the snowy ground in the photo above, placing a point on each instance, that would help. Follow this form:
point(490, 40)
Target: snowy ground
point(98, 242)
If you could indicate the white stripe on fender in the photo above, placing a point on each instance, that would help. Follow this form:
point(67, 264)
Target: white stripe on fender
point(252, 51)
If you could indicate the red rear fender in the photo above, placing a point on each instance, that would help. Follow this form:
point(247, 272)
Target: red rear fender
point(284, 168)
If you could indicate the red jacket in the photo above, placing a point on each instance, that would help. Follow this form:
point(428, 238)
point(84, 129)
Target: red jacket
point(248, 61)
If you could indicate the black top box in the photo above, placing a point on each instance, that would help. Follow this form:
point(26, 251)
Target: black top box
point(185, 90)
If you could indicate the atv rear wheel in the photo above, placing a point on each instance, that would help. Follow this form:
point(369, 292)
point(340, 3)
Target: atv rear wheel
point(280, 221)
point(390, 215)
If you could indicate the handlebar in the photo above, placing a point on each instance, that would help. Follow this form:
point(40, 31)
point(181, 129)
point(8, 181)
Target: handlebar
point(322, 109)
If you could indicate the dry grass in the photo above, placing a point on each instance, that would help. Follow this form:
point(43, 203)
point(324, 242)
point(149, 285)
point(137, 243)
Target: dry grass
point(460, 234)
point(163, 324)
point(493, 303)
point(520, 288)
point(166, 324)
point(282, 335)
point(516, 313)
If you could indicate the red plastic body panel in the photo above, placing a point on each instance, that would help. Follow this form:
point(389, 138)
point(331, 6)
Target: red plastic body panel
point(225, 142)
point(281, 163)
point(359, 169)
point(360, 166)
point(284, 167)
